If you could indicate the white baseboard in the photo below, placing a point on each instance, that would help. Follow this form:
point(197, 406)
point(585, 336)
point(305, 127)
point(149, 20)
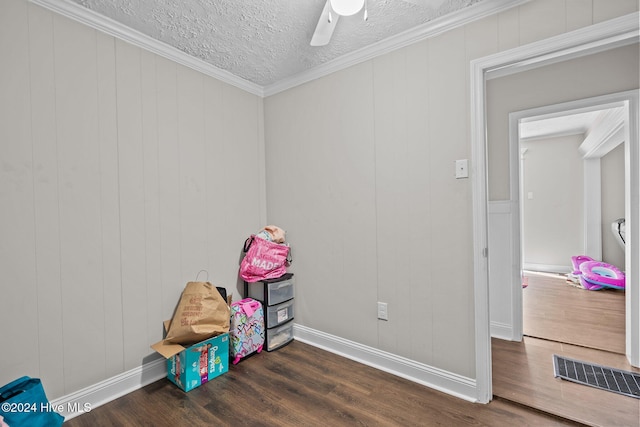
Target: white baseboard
point(547, 268)
point(501, 331)
point(438, 379)
point(81, 401)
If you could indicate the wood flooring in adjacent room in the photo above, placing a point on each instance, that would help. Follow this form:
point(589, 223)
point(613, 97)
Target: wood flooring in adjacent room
point(555, 310)
point(301, 385)
point(557, 314)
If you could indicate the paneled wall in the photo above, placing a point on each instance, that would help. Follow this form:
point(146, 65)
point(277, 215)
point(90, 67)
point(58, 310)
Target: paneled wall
point(376, 213)
point(122, 174)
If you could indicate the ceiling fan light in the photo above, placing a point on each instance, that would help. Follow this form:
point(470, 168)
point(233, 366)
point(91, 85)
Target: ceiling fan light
point(346, 7)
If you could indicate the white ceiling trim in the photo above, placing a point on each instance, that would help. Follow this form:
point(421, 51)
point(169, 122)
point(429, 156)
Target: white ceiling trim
point(623, 31)
point(422, 32)
point(605, 135)
point(438, 26)
point(107, 25)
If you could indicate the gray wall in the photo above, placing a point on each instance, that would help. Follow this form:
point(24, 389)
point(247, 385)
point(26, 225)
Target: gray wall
point(553, 219)
point(122, 175)
point(612, 71)
point(121, 178)
point(360, 169)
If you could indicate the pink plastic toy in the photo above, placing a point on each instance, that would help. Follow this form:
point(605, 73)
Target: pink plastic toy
point(595, 275)
point(577, 261)
point(602, 274)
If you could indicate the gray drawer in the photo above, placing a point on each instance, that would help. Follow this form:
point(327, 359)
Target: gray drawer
point(279, 336)
point(276, 292)
point(279, 314)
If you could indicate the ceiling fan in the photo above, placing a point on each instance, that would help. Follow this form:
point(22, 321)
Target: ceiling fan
point(334, 9)
point(330, 15)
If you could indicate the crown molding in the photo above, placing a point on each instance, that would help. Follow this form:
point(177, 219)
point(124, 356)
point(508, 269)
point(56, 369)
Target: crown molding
point(605, 135)
point(107, 25)
point(406, 38)
point(617, 32)
point(433, 28)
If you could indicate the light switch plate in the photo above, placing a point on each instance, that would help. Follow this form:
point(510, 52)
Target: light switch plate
point(383, 314)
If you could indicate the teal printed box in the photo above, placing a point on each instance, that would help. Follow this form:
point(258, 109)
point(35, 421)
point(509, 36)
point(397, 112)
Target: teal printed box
point(199, 363)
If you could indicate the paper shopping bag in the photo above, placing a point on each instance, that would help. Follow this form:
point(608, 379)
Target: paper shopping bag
point(201, 314)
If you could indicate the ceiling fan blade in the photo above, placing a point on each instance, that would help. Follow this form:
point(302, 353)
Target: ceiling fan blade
point(326, 25)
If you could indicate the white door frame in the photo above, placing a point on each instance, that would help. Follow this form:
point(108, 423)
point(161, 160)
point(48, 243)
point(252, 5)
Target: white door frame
point(596, 38)
point(611, 131)
point(592, 177)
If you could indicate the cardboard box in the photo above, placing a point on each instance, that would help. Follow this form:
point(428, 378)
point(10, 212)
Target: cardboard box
point(199, 363)
point(191, 366)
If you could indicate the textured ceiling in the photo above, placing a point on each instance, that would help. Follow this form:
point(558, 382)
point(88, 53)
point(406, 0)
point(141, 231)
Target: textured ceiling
point(266, 41)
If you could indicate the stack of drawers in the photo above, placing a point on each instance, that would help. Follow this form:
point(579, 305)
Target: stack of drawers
point(276, 296)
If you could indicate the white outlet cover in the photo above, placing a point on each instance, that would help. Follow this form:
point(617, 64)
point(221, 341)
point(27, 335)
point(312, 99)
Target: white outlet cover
point(462, 168)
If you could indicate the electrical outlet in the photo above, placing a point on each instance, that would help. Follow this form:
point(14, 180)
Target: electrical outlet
point(382, 311)
point(462, 168)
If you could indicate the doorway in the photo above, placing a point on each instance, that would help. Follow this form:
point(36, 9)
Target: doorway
point(563, 180)
point(597, 38)
point(557, 324)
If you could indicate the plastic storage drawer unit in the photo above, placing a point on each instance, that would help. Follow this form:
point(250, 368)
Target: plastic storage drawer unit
point(279, 336)
point(279, 314)
point(274, 292)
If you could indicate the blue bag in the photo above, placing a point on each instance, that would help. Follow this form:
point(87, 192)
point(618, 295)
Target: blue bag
point(24, 403)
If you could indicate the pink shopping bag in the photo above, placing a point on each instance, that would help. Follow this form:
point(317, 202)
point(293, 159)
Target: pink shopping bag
point(263, 260)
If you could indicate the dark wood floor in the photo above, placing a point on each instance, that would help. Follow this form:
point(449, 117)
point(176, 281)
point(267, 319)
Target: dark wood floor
point(300, 385)
point(523, 371)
